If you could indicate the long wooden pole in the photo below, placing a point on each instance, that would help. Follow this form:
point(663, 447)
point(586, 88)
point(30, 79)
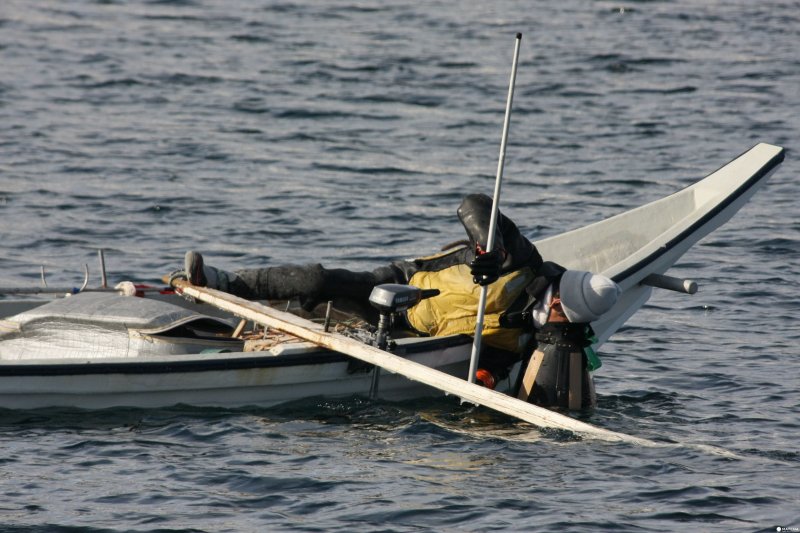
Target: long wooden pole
point(313, 332)
point(476, 344)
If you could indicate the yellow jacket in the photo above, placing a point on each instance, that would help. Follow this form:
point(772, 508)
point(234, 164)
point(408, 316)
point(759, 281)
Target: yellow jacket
point(455, 309)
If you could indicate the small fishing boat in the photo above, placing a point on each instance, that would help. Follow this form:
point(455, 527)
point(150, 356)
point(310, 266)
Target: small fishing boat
point(99, 349)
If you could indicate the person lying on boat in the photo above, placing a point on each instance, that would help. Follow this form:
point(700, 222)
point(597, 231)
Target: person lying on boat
point(522, 289)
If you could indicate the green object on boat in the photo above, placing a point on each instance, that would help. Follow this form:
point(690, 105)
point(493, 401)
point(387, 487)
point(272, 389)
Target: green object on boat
point(593, 361)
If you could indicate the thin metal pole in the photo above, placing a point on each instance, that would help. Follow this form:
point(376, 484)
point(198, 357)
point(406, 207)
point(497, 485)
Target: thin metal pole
point(103, 276)
point(328, 310)
point(476, 344)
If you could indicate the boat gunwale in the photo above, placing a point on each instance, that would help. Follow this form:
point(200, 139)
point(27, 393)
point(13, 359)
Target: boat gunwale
point(709, 215)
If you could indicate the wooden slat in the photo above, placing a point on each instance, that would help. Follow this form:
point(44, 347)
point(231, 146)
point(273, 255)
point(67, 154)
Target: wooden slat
point(529, 378)
point(575, 380)
point(470, 392)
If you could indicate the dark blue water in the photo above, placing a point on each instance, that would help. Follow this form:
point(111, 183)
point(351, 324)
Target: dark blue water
point(346, 132)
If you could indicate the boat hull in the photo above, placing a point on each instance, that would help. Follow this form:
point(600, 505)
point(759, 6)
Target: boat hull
point(628, 247)
point(224, 380)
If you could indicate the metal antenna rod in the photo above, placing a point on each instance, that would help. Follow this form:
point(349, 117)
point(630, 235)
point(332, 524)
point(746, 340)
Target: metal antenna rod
point(103, 276)
point(476, 345)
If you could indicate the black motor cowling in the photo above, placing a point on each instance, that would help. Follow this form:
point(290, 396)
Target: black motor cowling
point(394, 298)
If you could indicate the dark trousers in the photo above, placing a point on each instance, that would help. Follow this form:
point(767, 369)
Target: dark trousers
point(314, 284)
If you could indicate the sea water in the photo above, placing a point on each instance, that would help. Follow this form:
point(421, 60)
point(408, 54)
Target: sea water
point(346, 132)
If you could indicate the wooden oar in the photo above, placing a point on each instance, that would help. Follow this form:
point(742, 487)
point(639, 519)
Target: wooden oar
point(315, 333)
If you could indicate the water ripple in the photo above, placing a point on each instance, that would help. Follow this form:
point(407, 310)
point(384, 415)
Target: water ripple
point(347, 133)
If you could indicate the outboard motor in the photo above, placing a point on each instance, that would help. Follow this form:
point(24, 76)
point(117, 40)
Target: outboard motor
point(390, 299)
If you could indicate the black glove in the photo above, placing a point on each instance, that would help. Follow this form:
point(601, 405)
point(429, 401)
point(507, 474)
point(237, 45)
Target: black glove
point(485, 268)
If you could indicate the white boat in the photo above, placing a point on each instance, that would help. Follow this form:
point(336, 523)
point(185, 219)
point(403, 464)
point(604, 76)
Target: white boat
point(99, 349)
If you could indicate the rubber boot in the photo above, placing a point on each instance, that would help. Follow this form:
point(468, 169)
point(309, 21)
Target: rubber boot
point(203, 275)
point(475, 213)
